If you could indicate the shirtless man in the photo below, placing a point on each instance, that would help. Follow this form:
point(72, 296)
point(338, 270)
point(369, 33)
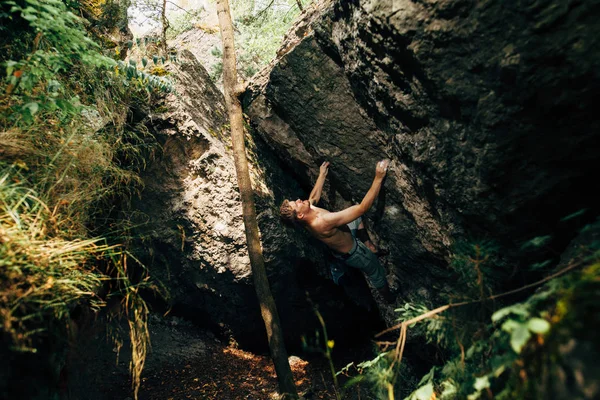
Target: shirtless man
point(332, 229)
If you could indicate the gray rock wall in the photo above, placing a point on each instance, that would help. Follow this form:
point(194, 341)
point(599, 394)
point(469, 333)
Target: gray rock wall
point(190, 219)
point(486, 108)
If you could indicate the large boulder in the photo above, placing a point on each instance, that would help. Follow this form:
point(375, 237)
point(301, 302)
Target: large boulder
point(486, 110)
point(190, 217)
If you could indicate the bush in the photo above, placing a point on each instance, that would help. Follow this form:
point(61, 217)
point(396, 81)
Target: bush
point(70, 154)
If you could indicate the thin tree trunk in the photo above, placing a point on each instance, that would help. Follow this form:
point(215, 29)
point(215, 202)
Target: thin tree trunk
point(261, 283)
point(165, 26)
point(299, 5)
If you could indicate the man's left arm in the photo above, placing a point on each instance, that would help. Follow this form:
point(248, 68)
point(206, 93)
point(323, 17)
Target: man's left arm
point(315, 194)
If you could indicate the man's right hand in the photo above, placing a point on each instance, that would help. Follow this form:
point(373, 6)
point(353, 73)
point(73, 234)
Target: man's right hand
point(381, 168)
point(324, 168)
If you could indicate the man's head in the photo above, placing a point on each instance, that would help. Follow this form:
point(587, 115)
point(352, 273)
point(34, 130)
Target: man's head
point(294, 211)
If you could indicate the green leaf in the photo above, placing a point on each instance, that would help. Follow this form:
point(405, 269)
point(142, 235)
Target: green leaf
point(519, 337)
point(370, 363)
point(510, 325)
point(538, 325)
point(536, 242)
point(470, 351)
point(144, 61)
point(482, 382)
point(32, 107)
point(423, 393)
point(518, 309)
point(574, 215)
point(449, 390)
point(10, 67)
point(345, 369)
point(540, 265)
point(498, 371)
point(53, 86)
point(428, 377)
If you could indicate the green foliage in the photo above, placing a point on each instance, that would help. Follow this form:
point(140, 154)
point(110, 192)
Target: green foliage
point(216, 71)
point(536, 242)
point(70, 152)
point(261, 26)
point(183, 22)
point(149, 81)
point(44, 275)
point(474, 264)
point(60, 43)
point(510, 352)
point(385, 378)
point(519, 348)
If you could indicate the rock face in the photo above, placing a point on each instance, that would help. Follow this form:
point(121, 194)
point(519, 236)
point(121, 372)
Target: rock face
point(486, 110)
point(190, 217)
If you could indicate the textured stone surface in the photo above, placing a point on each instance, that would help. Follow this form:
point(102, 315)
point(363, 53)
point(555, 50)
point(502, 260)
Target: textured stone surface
point(486, 113)
point(191, 220)
point(486, 110)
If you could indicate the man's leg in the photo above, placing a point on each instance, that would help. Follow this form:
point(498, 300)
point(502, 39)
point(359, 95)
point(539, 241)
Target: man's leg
point(366, 261)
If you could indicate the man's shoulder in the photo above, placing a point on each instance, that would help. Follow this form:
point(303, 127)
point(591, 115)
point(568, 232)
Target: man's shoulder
point(319, 210)
point(317, 222)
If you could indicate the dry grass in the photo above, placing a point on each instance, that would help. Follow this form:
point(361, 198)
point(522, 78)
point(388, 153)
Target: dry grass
point(56, 178)
point(63, 166)
point(41, 274)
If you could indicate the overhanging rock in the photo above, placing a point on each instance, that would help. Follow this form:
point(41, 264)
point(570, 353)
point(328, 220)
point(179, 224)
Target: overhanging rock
point(190, 217)
point(486, 110)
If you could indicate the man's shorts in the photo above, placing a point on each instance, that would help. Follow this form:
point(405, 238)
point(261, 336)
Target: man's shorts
point(359, 257)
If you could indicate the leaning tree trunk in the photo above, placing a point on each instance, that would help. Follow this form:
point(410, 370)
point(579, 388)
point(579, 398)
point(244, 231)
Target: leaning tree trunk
point(261, 283)
point(165, 26)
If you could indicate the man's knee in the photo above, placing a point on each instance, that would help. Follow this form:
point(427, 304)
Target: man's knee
point(376, 274)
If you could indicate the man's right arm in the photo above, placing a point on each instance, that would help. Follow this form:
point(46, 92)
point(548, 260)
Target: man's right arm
point(335, 219)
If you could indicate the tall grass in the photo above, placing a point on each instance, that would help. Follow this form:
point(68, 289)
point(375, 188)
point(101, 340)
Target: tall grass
point(54, 186)
point(70, 155)
point(63, 241)
point(42, 275)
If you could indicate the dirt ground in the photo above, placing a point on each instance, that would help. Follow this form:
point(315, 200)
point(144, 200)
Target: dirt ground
point(229, 373)
point(186, 362)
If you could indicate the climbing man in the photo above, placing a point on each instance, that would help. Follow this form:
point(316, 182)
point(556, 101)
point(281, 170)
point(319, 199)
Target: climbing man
point(341, 230)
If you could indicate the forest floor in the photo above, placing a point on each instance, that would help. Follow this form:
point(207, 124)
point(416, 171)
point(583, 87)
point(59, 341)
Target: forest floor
point(229, 373)
point(186, 362)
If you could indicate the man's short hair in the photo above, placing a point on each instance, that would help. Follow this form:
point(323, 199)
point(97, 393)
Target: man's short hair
point(287, 213)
